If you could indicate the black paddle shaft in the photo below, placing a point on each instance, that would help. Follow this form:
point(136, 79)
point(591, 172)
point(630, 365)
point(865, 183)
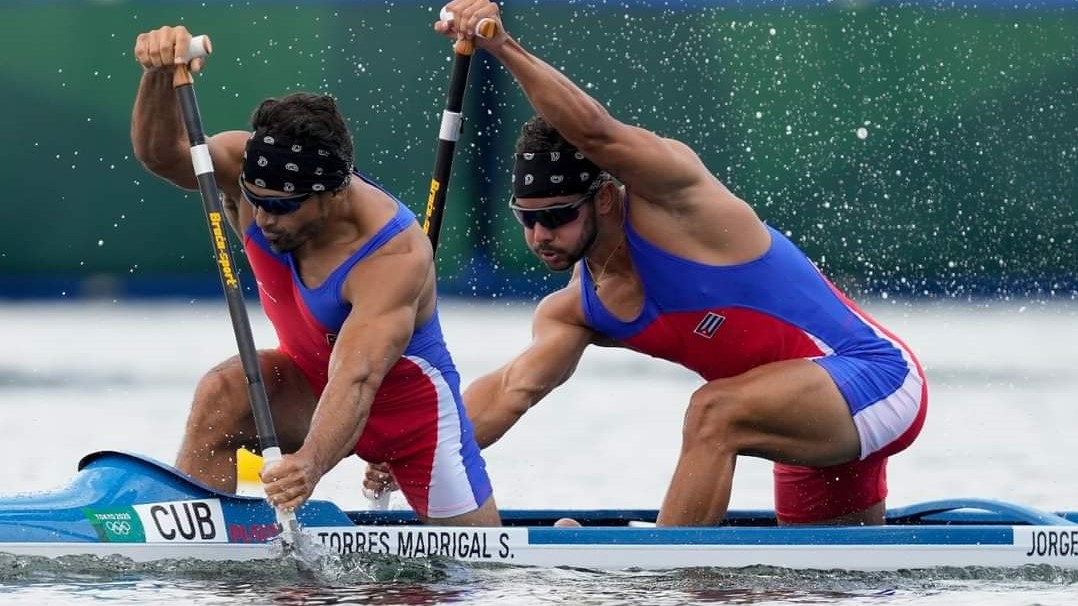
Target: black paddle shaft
point(447, 141)
point(226, 266)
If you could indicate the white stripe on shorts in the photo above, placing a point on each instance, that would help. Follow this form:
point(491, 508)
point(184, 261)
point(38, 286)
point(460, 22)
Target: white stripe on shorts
point(885, 421)
point(450, 491)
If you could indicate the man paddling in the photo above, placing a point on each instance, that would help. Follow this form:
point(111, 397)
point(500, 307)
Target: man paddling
point(346, 277)
point(667, 261)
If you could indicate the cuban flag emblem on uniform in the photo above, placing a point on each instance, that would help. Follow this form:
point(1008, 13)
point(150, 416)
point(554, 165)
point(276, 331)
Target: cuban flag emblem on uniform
point(707, 327)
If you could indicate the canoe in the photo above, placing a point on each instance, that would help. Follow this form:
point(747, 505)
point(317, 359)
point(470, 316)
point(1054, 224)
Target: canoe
point(128, 505)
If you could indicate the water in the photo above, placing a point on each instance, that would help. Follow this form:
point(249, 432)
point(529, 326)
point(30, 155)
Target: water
point(79, 377)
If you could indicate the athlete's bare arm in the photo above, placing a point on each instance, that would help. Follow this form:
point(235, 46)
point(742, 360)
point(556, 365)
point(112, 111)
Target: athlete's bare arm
point(370, 342)
point(158, 135)
point(679, 192)
point(654, 166)
point(497, 400)
point(660, 170)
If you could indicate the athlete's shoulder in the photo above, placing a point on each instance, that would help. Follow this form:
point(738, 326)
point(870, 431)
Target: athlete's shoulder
point(228, 146)
point(562, 306)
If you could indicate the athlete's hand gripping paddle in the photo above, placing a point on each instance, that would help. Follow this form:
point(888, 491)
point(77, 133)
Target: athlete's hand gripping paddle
point(241, 325)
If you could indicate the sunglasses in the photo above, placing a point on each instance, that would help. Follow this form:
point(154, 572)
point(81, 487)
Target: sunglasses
point(550, 217)
point(275, 205)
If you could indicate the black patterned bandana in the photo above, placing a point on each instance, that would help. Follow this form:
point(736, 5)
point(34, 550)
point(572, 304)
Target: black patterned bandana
point(555, 173)
point(273, 163)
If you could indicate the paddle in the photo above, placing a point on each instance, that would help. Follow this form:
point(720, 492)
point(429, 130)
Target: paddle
point(451, 127)
point(226, 267)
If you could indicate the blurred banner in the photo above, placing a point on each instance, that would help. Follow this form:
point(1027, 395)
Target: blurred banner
point(909, 148)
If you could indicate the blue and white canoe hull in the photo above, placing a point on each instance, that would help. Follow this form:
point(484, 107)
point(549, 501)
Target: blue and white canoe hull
point(122, 504)
point(623, 548)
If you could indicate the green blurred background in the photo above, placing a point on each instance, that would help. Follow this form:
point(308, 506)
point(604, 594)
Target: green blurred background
point(909, 149)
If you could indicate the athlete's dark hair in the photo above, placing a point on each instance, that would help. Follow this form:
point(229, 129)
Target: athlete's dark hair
point(306, 119)
point(537, 135)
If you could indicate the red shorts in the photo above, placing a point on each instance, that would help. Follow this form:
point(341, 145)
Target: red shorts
point(807, 495)
point(418, 426)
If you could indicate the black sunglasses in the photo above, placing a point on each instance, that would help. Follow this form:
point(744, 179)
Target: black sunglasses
point(550, 217)
point(275, 205)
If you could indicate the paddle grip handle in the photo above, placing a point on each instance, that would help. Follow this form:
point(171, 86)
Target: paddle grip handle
point(485, 29)
point(198, 47)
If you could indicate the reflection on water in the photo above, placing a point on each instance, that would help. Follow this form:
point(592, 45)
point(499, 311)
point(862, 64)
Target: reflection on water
point(380, 579)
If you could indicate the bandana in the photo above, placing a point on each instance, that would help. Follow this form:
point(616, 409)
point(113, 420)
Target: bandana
point(274, 163)
point(549, 174)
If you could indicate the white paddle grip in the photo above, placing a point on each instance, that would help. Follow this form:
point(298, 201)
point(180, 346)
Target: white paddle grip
point(198, 47)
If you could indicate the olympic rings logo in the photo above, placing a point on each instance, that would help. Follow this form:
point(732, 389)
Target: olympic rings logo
point(121, 527)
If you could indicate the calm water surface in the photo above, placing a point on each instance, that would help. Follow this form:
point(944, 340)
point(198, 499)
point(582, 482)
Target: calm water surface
point(1003, 379)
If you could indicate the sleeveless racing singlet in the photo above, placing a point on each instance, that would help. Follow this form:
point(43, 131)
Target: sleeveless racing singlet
point(307, 319)
point(417, 422)
point(721, 321)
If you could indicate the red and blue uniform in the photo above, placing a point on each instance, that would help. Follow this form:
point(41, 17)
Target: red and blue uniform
point(417, 422)
point(721, 321)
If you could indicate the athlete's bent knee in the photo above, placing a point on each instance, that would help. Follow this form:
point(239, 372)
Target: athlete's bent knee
point(220, 406)
point(712, 415)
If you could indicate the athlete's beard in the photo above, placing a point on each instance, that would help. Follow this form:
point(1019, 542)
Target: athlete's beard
point(588, 233)
point(285, 241)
